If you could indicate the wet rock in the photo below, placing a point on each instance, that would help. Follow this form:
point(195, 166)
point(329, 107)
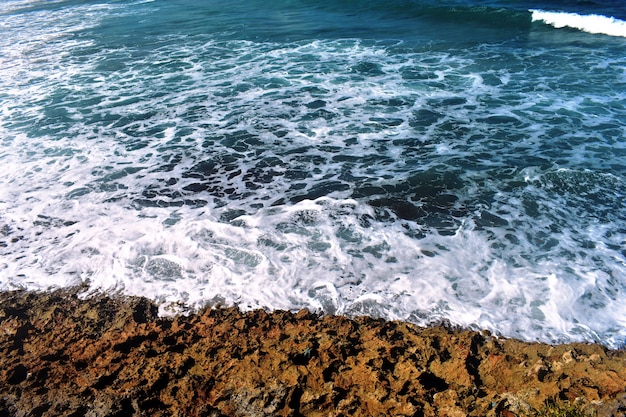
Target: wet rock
point(69, 355)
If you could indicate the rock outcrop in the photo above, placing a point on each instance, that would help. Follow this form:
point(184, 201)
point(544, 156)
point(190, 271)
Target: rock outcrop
point(64, 356)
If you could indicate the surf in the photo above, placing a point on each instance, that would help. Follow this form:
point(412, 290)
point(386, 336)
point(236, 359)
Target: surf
point(395, 168)
point(595, 24)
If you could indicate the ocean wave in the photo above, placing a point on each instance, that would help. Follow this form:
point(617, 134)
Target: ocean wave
point(593, 23)
point(477, 183)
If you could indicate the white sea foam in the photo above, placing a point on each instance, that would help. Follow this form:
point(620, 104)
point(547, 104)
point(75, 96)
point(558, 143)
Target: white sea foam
point(342, 175)
point(593, 23)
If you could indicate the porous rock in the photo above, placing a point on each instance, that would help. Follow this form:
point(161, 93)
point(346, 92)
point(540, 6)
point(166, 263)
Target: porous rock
point(63, 355)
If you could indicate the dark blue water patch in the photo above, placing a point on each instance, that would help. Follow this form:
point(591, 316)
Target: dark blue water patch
point(428, 198)
point(121, 173)
point(320, 190)
point(368, 68)
point(421, 21)
point(230, 215)
point(401, 208)
point(488, 219)
point(502, 120)
point(264, 172)
point(588, 194)
point(610, 8)
point(36, 7)
point(447, 103)
point(425, 118)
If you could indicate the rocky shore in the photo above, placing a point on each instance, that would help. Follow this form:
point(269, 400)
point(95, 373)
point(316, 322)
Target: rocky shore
point(64, 356)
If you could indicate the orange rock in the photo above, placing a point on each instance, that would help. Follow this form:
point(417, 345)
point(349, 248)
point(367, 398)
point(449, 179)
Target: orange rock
point(64, 356)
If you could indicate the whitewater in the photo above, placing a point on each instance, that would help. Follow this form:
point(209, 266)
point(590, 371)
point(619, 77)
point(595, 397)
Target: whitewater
point(407, 160)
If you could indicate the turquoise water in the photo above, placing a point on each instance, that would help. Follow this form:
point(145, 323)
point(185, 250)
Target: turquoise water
point(411, 160)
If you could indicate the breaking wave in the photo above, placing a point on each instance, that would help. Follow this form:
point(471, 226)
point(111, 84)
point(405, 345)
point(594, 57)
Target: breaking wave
point(596, 24)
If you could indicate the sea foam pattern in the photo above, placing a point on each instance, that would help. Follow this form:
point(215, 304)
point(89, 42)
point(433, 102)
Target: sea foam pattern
point(482, 183)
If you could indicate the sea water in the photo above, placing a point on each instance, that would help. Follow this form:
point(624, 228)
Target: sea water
point(421, 160)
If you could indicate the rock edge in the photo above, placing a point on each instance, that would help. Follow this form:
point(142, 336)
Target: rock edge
point(102, 356)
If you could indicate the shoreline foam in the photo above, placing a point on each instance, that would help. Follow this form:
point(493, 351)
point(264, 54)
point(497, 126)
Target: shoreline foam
point(66, 356)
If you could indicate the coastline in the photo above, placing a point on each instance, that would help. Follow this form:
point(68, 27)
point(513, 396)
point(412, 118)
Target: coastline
point(114, 356)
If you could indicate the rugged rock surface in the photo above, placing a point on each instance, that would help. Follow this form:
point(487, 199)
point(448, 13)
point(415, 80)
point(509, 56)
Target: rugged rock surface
point(63, 356)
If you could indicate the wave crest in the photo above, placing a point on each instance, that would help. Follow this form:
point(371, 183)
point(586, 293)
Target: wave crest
point(593, 23)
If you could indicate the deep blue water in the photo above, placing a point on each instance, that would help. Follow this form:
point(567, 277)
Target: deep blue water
point(414, 160)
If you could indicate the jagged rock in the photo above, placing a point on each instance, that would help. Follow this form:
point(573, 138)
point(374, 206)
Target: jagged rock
point(63, 355)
